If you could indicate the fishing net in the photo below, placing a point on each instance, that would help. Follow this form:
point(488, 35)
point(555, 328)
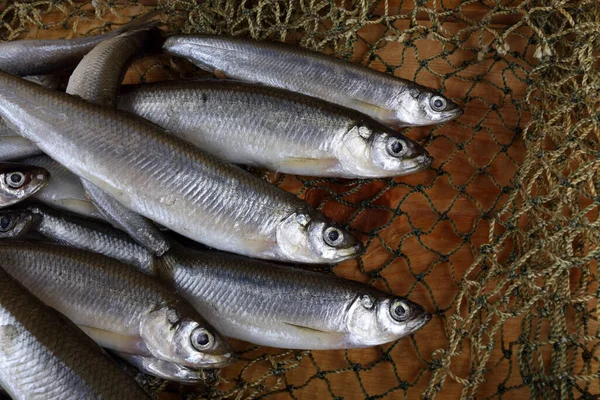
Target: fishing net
point(499, 238)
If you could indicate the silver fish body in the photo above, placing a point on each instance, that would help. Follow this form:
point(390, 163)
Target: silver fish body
point(392, 101)
point(139, 228)
point(20, 181)
point(98, 76)
point(13, 146)
point(44, 356)
point(172, 182)
point(119, 307)
point(97, 79)
point(71, 230)
point(38, 57)
point(64, 190)
point(279, 306)
point(276, 129)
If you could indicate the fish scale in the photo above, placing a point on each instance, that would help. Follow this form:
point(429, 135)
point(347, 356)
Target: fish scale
point(36, 57)
point(300, 309)
point(391, 100)
point(114, 304)
point(80, 233)
point(95, 285)
point(267, 127)
point(46, 357)
point(102, 157)
point(99, 75)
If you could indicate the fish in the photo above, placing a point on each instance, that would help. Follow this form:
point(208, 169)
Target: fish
point(388, 99)
point(119, 307)
point(98, 76)
point(64, 190)
point(172, 182)
point(41, 57)
point(280, 306)
point(276, 129)
point(14, 147)
point(97, 79)
point(72, 230)
point(42, 355)
point(248, 299)
point(20, 181)
point(170, 371)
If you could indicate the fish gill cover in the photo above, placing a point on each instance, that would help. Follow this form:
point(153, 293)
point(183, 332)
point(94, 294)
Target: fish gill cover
point(499, 238)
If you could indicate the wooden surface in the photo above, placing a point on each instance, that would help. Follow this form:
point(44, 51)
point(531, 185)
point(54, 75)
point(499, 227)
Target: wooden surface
point(459, 151)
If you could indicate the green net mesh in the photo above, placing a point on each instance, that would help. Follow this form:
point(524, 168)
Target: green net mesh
point(499, 239)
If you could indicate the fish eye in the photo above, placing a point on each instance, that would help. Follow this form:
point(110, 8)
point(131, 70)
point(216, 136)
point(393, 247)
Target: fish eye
point(399, 311)
point(201, 339)
point(333, 236)
point(395, 147)
point(15, 179)
point(5, 223)
point(438, 103)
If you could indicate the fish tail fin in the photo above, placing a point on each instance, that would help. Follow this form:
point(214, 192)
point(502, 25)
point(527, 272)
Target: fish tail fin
point(144, 22)
point(145, 25)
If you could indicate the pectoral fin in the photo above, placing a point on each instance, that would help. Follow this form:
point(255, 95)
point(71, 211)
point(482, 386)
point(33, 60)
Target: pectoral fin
point(306, 328)
point(316, 339)
point(116, 341)
point(307, 166)
point(382, 114)
point(259, 246)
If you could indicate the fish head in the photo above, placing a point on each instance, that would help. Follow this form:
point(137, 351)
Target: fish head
point(372, 150)
point(185, 339)
point(310, 237)
point(17, 182)
point(15, 223)
point(420, 106)
point(374, 320)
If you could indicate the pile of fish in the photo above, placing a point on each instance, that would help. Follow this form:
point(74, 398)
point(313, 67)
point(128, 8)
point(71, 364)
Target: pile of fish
point(105, 183)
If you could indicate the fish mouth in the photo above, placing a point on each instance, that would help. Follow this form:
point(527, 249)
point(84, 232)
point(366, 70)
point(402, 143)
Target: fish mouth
point(219, 364)
point(416, 164)
point(349, 252)
point(442, 116)
point(219, 361)
point(216, 364)
point(194, 376)
point(430, 120)
point(452, 114)
point(191, 376)
point(421, 321)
